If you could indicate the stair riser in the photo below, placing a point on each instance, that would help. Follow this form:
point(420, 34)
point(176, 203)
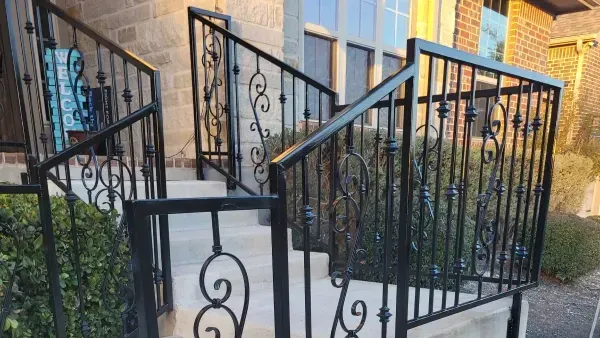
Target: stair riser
point(186, 251)
point(186, 288)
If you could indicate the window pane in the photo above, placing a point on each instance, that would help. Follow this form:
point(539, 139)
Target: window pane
point(389, 29)
point(367, 22)
point(391, 4)
point(494, 24)
point(353, 17)
point(358, 64)
point(480, 105)
point(390, 65)
point(317, 64)
point(404, 6)
point(311, 11)
point(328, 14)
point(401, 31)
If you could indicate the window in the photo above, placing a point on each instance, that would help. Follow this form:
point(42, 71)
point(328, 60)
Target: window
point(317, 64)
point(361, 18)
point(354, 54)
point(321, 12)
point(358, 66)
point(396, 23)
point(391, 64)
point(481, 105)
point(494, 25)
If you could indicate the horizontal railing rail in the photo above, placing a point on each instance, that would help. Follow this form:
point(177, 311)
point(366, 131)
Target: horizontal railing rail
point(101, 136)
point(294, 154)
point(198, 15)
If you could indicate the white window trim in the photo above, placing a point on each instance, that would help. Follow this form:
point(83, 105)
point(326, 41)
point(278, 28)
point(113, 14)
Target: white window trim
point(341, 39)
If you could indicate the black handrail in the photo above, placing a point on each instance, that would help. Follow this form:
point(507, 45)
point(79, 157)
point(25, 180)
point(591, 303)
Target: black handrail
point(294, 154)
point(99, 38)
point(197, 14)
point(99, 137)
point(482, 63)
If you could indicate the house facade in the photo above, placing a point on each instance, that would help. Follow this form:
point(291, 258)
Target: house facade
point(348, 45)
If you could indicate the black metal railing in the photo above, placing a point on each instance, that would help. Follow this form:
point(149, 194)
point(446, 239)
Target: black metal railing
point(450, 217)
point(236, 86)
point(102, 155)
point(139, 214)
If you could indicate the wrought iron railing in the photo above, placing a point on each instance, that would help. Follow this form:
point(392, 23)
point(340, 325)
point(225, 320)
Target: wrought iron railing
point(236, 86)
point(440, 214)
point(114, 153)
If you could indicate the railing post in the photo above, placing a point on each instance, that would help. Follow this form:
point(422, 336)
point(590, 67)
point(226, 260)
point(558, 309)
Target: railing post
point(141, 263)
point(514, 322)
point(279, 247)
point(547, 186)
point(161, 175)
point(56, 303)
point(406, 191)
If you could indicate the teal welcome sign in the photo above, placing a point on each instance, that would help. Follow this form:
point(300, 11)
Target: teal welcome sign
point(60, 87)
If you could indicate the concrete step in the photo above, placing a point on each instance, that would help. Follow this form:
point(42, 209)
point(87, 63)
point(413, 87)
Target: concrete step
point(175, 189)
point(489, 320)
point(195, 246)
point(259, 269)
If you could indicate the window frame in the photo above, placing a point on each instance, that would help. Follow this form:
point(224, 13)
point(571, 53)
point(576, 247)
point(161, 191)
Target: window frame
point(341, 39)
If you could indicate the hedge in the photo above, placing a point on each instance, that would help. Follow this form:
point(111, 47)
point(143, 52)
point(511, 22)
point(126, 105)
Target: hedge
point(30, 312)
point(365, 142)
point(572, 246)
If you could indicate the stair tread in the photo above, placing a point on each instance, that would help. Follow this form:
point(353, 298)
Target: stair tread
point(324, 298)
point(224, 232)
point(226, 264)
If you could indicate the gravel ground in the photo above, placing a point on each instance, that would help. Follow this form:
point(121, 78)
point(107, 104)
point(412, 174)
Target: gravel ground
point(566, 311)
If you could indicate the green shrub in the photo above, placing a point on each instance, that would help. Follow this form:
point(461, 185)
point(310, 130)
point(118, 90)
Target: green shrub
point(571, 175)
point(572, 246)
point(594, 218)
point(30, 312)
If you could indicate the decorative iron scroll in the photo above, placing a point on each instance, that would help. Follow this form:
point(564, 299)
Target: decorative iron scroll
point(213, 109)
point(219, 303)
point(485, 231)
point(259, 154)
point(344, 182)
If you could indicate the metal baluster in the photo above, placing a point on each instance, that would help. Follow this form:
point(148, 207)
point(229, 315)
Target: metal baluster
point(127, 97)
point(390, 149)
point(424, 195)
point(196, 97)
point(452, 191)
point(517, 119)
point(236, 71)
point(27, 79)
point(442, 111)
point(538, 186)
point(282, 100)
point(319, 171)
point(294, 174)
point(207, 91)
point(377, 236)
point(119, 148)
point(215, 86)
point(519, 248)
point(29, 27)
point(501, 188)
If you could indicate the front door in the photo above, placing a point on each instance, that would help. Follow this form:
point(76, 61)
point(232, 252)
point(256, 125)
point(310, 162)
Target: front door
point(11, 127)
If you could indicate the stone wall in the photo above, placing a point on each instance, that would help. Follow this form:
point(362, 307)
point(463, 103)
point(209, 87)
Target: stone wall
point(157, 31)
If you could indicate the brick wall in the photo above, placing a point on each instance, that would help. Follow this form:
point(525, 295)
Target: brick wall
point(527, 44)
point(528, 36)
point(562, 64)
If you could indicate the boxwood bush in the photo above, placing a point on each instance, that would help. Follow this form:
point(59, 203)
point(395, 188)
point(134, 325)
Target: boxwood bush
point(30, 313)
point(572, 246)
point(364, 143)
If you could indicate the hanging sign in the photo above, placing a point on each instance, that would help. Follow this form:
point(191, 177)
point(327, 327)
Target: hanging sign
point(66, 110)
